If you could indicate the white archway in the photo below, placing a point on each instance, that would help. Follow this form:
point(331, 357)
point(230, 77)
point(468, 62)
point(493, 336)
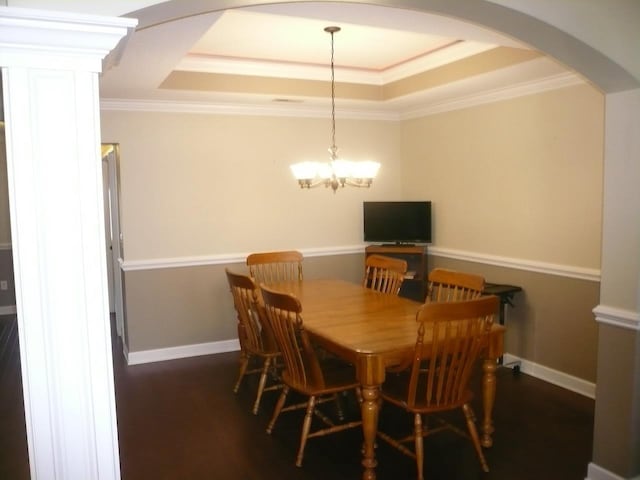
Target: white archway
point(68, 446)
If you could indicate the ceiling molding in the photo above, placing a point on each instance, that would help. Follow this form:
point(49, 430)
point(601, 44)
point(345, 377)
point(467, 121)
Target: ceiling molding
point(387, 111)
point(499, 94)
point(258, 68)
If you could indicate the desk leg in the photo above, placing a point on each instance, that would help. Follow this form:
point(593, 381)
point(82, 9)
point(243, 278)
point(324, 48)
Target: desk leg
point(371, 376)
point(488, 399)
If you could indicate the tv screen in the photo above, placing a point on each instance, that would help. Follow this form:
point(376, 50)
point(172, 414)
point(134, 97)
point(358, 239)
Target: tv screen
point(397, 222)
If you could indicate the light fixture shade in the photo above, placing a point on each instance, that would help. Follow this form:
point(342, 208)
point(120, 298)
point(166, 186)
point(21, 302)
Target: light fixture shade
point(343, 168)
point(325, 172)
point(365, 170)
point(305, 170)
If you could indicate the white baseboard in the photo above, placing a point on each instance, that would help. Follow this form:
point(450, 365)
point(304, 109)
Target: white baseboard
point(8, 310)
point(173, 353)
point(539, 371)
point(550, 375)
point(594, 472)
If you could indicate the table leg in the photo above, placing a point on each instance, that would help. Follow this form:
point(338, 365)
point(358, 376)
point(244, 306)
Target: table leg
point(371, 376)
point(488, 398)
point(370, 410)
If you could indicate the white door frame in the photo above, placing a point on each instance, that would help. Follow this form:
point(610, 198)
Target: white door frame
point(113, 235)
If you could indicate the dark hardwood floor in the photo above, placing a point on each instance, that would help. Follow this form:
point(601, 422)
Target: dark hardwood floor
point(180, 420)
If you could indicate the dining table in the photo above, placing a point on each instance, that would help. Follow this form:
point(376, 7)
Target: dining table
point(375, 331)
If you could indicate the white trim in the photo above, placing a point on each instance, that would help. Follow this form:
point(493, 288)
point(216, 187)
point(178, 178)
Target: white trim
point(45, 39)
point(564, 380)
point(617, 317)
point(259, 68)
point(249, 105)
point(589, 274)
point(496, 95)
point(595, 472)
point(185, 351)
point(223, 259)
point(406, 107)
point(8, 310)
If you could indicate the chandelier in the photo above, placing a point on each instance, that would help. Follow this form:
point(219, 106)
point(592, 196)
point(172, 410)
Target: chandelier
point(336, 172)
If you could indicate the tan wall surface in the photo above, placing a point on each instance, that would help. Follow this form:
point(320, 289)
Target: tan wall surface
point(519, 178)
point(173, 307)
point(551, 323)
point(5, 225)
point(196, 184)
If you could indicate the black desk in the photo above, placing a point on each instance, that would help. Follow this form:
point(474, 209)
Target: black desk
point(505, 293)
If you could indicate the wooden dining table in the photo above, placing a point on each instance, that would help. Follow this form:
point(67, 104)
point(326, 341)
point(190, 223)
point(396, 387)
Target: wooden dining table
point(374, 331)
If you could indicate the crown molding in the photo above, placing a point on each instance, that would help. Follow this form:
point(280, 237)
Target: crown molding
point(244, 108)
point(392, 110)
point(522, 89)
point(259, 68)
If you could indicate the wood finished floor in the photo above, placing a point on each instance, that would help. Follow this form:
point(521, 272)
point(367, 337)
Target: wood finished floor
point(179, 420)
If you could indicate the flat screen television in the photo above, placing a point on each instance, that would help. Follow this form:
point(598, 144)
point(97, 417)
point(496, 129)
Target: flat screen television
point(397, 222)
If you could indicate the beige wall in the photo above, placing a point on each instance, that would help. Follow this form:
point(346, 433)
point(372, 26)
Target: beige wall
point(551, 320)
point(5, 226)
point(190, 305)
point(194, 184)
point(520, 179)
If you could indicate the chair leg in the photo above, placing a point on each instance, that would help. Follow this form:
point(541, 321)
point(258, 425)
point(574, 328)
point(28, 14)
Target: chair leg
point(261, 384)
point(244, 363)
point(419, 445)
point(473, 432)
point(339, 409)
point(278, 409)
point(306, 426)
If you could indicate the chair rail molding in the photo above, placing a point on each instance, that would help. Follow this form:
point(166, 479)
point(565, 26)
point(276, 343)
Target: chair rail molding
point(50, 63)
point(617, 317)
point(580, 273)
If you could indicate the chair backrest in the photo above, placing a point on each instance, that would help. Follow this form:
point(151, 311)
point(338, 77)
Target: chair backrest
point(384, 274)
point(301, 364)
point(272, 267)
point(441, 369)
point(451, 286)
point(253, 332)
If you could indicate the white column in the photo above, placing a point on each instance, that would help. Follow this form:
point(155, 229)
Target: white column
point(50, 65)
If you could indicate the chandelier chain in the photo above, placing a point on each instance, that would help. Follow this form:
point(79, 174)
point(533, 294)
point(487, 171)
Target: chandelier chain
point(333, 104)
point(335, 173)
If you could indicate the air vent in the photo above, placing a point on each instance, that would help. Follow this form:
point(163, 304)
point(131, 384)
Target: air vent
point(286, 100)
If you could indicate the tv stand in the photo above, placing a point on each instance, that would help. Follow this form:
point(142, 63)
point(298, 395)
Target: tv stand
point(414, 285)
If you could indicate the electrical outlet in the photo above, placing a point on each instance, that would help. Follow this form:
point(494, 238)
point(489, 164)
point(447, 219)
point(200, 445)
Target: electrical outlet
point(4, 285)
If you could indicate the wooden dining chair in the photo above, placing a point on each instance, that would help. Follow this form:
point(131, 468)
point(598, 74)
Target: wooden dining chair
point(384, 274)
point(272, 267)
point(451, 286)
point(303, 372)
point(437, 380)
point(256, 340)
